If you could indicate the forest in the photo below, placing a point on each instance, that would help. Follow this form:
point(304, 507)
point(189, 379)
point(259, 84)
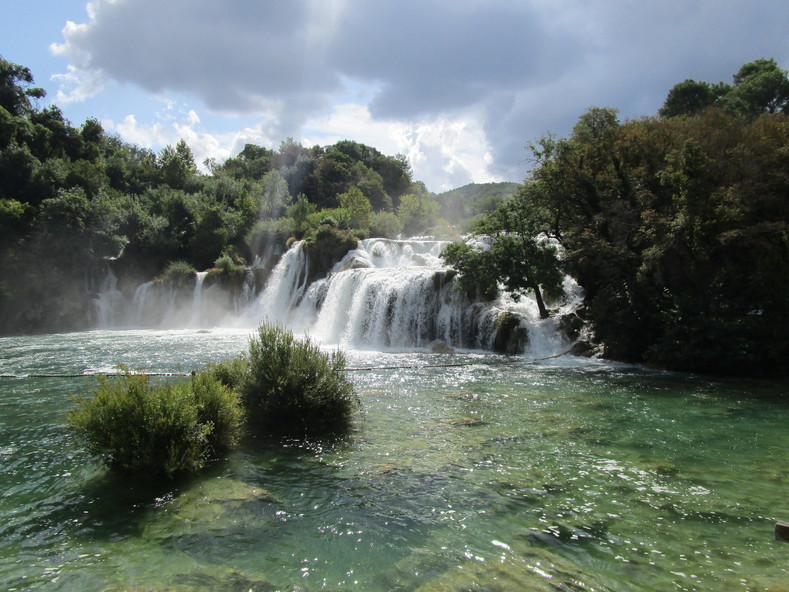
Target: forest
point(676, 225)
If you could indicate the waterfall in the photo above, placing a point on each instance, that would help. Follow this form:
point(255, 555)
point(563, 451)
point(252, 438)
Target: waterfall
point(109, 301)
point(197, 299)
point(384, 294)
point(283, 290)
point(397, 294)
point(392, 294)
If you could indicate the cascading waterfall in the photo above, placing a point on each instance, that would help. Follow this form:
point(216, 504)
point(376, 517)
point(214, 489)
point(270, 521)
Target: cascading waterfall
point(197, 299)
point(140, 305)
point(283, 290)
point(390, 294)
point(108, 303)
point(384, 294)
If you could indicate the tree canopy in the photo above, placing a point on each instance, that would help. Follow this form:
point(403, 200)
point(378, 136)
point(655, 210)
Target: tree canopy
point(758, 87)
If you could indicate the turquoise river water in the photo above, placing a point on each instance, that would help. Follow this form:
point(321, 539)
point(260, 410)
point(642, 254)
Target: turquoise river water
point(501, 474)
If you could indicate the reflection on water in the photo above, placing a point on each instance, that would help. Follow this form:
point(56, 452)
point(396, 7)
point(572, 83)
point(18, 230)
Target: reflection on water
point(502, 474)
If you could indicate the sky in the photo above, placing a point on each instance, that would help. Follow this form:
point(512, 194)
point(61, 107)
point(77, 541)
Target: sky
point(459, 87)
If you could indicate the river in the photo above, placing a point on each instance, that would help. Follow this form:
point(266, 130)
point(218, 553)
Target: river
point(500, 473)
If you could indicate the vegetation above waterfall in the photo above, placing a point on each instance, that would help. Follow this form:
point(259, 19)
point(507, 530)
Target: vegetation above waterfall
point(677, 227)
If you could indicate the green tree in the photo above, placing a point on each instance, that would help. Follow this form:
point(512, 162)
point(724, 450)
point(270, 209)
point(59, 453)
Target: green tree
point(177, 165)
point(300, 212)
point(16, 88)
point(358, 207)
point(759, 87)
point(275, 196)
point(691, 98)
point(517, 256)
point(417, 212)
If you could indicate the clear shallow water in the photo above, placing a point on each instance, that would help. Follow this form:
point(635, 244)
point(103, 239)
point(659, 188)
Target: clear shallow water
point(504, 474)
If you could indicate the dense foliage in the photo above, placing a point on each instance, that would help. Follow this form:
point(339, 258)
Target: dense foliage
point(140, 428)
point(73, 199)
point(284, 386)
point(677, 228)
point(294, 388)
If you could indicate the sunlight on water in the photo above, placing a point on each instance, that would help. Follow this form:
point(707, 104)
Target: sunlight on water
point(500, 474)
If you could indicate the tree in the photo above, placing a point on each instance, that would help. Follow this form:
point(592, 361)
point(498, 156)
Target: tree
point(16, 88)
point(691, 98)
point(275, 195)
point(177, 165)
point(759, 87)
point(417, 212)
point(358, 207)
point(518, 256)
point(300, 212)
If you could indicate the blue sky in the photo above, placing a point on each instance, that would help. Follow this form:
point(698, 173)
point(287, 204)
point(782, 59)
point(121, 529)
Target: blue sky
point(460, 88)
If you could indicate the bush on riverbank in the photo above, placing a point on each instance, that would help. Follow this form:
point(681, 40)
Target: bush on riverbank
point(139, 427)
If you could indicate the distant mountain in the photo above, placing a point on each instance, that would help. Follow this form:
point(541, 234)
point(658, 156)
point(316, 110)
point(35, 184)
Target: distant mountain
point(473, 199)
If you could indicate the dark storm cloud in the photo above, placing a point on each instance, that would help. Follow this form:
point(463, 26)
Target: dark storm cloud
point(435, 56)
point(528, 67)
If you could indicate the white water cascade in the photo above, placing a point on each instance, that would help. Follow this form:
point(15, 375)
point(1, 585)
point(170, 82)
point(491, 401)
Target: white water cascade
point(197, 299)
point(108, 303)
point(385, 294)
point(396, 294)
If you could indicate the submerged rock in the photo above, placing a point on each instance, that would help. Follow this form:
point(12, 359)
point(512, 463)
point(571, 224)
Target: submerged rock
point(466, 421)
point(583, 348)
point(439, 347)
point(213, 578)
point(207, 506)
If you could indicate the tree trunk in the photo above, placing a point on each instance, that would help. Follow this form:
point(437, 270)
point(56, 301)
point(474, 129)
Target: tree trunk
point(540, 304)
point(538, 296)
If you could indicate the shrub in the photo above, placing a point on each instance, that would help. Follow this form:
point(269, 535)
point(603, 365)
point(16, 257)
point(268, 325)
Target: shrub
point(141, 428)
point(227, 266)
point(232, 373)
point(218, 406)
point(293, 387)
point(178, 272)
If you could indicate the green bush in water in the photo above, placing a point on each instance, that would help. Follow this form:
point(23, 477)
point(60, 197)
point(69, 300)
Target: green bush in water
point(219, 406)
point(138, 427)
point(294, 388)
point(232, 373)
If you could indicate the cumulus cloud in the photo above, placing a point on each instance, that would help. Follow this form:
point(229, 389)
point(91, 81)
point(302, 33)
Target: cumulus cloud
point(519, 67)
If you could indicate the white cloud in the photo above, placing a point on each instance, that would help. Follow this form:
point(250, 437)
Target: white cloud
point(76, 85)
